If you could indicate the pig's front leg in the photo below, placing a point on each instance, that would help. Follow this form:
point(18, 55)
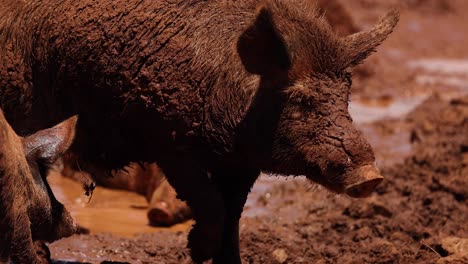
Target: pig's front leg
point(42, 252)
point(193, 184)
point(235, 185)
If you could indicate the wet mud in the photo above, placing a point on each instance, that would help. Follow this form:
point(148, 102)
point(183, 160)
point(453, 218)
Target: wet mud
point(119, 212)
point(412, 106)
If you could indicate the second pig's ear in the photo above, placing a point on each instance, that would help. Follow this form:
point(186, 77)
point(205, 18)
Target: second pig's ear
point(261, 48)
point(49, 144)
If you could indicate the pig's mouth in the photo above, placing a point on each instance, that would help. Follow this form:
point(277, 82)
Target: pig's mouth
point(64, 225)
point(68, 227)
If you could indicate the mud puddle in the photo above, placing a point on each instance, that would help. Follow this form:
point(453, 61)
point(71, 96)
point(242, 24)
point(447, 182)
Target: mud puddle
point(450, 76)
point(260, 195)
point(379, 118)
point(118, 212)
point(441, 66)
point(371, 110)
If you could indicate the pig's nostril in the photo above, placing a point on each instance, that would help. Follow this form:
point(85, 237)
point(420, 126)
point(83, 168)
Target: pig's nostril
point(366, 179)
point(363, 189)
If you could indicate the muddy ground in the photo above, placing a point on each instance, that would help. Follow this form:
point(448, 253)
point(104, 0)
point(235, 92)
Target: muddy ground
point(410, 100)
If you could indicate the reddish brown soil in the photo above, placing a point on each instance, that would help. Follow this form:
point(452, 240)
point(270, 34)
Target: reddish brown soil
point(422, 201)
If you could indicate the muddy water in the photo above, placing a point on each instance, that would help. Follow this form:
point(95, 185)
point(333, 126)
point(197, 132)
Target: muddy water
point(110, 211)
point(370, 110)
point(124, 213)
point(450, 76)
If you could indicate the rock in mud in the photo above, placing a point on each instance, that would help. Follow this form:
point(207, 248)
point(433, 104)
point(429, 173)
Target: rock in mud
point(280, 255)
point(455, 245)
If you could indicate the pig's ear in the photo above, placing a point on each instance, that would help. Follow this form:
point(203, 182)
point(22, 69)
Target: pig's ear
point(49, 144)
point(261, 48)
point(360, 45)
point(9, 141)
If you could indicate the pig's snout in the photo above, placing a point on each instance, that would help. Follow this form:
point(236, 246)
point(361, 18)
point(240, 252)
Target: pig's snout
point(68, 226)
point(64, 226)
point(365, 179)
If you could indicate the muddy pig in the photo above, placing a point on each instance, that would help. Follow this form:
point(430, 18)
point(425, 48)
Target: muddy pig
point(212, 91)
point(147, 179)
point(28, 209)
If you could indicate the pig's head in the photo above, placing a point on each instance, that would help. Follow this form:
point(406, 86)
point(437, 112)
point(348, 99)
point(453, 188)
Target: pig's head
point(308, 69)
point(27, 162)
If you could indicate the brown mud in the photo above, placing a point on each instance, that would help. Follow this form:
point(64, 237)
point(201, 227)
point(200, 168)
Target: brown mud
point(421, 145)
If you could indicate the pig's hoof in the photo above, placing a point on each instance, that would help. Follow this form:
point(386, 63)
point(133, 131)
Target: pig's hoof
point(42, 252)
point(204, 242)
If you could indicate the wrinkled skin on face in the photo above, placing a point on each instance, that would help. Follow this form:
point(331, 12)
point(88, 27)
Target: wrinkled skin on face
point(309, 67)
point(316, 124)
point(29, 211)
